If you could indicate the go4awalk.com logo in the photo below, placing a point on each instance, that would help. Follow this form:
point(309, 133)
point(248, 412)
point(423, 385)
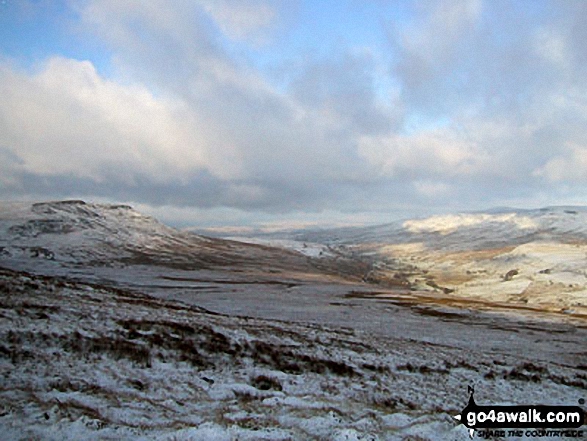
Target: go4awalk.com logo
point(530, 421)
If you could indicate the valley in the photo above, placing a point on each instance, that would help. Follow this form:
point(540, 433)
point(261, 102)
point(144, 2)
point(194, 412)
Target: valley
point(119, 327)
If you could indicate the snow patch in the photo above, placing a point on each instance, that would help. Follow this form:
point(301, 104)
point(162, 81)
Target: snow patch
point(450, 223)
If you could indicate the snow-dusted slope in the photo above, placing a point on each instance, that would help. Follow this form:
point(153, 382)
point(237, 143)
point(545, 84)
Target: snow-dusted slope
point(487, 230)
point(465, 231)
point(524, 257)
point(536, 258)
point(306, 248)
point(76, 232)
point(88, 362)
point(79, 234)
point(83, 360)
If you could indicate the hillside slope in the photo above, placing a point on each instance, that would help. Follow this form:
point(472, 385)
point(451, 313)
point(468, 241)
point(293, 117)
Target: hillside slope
point(523, 257)
point(77, 234)
point(84, 361)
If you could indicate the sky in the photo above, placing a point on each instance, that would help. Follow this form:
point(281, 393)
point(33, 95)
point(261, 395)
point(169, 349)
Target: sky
point(235, 112)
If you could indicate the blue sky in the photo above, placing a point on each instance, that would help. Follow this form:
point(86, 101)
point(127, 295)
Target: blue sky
point(236, 112)
point(30, 32)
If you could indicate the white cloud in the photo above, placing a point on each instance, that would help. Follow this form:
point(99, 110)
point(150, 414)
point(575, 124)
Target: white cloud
point(442, 25)
point(241, 20)
point(570, 166)
point(430, 45)
point(552, 46)
point(66, 119)
point(436, 151)
point(186, 119)
point(432, 189)
point(240, 145)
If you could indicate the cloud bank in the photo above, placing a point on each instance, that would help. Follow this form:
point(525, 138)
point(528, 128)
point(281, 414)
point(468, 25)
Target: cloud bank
point(462, 105)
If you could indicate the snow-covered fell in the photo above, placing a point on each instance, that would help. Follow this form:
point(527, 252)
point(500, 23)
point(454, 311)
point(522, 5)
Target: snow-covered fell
point(521, 258)
point(80, 234)
point(77, 232)
point(465, 230)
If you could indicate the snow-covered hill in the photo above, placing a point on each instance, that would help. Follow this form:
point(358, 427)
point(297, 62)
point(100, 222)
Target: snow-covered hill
point(522, 258)
point(465, 231)
point(78, 234)
point(536, 258)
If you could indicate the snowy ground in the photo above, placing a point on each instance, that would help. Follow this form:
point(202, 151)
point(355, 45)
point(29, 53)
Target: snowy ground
point(81, 361)
point(374, 333)
point(544, 275)
point(306, 248)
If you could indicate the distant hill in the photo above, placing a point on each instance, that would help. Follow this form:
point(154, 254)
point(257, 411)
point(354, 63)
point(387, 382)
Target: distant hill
point(79, 234)
point(534, 258)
